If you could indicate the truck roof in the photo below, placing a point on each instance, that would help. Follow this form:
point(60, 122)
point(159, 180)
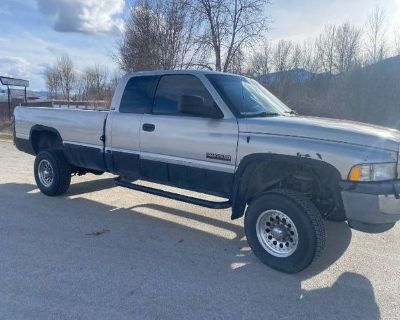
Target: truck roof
point(187, 71)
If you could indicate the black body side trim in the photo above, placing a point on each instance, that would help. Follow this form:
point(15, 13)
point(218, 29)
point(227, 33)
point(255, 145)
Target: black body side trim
point(24, 145)
point(202, 180)
point(375, 188)
point(174, 196)
point(84, 156)
point(125, 164)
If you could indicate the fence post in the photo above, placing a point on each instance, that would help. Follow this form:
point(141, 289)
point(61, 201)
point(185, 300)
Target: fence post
point(9, 101)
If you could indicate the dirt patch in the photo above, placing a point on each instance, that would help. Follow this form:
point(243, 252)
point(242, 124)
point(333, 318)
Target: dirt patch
point(5, 126)
point(5, 137)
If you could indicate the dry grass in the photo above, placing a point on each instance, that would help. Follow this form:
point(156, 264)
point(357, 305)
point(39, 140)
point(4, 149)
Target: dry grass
point(5, 128)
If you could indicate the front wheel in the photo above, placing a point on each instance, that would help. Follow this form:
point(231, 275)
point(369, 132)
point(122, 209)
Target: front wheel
point(285, 230)
point(52, 172)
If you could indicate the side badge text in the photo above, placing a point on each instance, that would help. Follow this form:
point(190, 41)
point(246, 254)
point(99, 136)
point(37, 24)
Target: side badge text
point(217, 156)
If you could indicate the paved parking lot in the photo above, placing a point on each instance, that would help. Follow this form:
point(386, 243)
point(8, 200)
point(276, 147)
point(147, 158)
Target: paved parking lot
point(103, 252)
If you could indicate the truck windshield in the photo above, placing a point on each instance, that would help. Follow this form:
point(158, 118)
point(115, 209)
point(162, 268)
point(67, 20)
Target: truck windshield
point(247, 98)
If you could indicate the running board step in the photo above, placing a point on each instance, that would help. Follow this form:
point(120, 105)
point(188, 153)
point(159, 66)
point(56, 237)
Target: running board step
point(174, 196)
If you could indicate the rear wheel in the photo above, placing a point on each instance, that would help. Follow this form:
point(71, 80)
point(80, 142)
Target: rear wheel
point(52, 172)
point(285, 230)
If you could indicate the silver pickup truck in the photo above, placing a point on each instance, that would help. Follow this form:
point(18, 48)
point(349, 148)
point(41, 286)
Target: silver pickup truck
point(226, 135)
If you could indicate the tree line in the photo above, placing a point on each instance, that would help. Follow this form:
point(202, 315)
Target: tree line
point(332, 74)
point(231, 36)
point(345, 72)
point(94, 83)
point(181, 34)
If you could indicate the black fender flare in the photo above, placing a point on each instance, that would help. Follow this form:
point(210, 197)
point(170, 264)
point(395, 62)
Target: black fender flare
point(249, 163)
point(41, 128)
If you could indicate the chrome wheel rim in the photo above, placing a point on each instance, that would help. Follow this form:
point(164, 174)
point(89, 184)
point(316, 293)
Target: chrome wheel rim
point(45, 173)
point(277, 233)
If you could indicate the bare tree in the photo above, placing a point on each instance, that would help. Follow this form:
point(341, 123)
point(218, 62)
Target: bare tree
point(159, 35)
point(95, 81)
point(138, 48)
point(376, 48)
point(229, 26)
point(396, 35)
point(296, 57)
point(347, 45)
point(261, 64)
point(282, 56)
point(66, 75)
point(309, 56)
point(178, 26)
point(111, 86)
point(237, 64)
point(52, 82)
point(79, 88)
point(325, 45)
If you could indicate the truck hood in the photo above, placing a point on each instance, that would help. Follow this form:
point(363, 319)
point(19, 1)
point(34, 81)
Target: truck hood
point(325, 129)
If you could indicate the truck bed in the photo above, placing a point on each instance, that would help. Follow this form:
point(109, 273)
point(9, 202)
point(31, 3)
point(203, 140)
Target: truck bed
point(74, 125)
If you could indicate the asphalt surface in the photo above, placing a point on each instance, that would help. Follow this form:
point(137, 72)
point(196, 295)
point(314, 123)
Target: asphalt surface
point(104, 252)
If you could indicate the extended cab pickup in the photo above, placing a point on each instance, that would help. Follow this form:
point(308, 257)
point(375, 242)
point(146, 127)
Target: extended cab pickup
point(226, 135)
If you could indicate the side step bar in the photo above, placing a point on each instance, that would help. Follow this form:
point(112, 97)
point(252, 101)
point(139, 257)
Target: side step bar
point(174, 196)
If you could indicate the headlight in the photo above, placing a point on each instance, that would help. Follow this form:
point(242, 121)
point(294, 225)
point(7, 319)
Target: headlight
point(373, 172)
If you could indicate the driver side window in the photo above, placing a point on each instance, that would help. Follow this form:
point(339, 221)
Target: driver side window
point(172, 88)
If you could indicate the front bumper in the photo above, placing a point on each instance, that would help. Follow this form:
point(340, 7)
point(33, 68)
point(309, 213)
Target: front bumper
point(371, 206)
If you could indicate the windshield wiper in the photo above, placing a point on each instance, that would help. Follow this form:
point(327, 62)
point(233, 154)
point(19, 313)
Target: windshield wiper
point(260, 114)
point(291, 112)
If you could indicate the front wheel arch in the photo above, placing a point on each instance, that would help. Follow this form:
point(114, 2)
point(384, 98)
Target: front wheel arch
point(251, 167)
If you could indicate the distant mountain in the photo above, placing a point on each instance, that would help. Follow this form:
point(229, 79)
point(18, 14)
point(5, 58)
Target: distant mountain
point(294, 74)
point(368, 94)
point(301, 75)
point(18, 94)
point(41, 93)
point(297, 75)
point(386, 64)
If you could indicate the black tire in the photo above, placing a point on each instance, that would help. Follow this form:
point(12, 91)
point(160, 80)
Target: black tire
point(307, 220)
point(61, 171)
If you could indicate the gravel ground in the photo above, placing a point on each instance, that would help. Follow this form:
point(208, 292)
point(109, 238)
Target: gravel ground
point(104, 252)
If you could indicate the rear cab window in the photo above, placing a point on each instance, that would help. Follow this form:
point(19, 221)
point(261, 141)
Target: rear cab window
point(138, 94)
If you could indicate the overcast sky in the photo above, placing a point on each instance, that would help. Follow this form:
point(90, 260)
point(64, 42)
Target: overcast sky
point(35, 32)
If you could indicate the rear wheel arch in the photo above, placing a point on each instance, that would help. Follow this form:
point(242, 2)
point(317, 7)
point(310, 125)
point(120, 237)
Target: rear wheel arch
point(261, 172)
point(43, 138)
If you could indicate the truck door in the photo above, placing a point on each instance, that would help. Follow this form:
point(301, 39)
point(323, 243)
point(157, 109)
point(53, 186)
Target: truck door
point(124, 126)
point(195, 152)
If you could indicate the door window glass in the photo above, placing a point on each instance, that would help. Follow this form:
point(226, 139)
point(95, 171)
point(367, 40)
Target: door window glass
point(172, 87)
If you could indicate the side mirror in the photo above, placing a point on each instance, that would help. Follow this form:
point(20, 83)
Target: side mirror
point(194, 105)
